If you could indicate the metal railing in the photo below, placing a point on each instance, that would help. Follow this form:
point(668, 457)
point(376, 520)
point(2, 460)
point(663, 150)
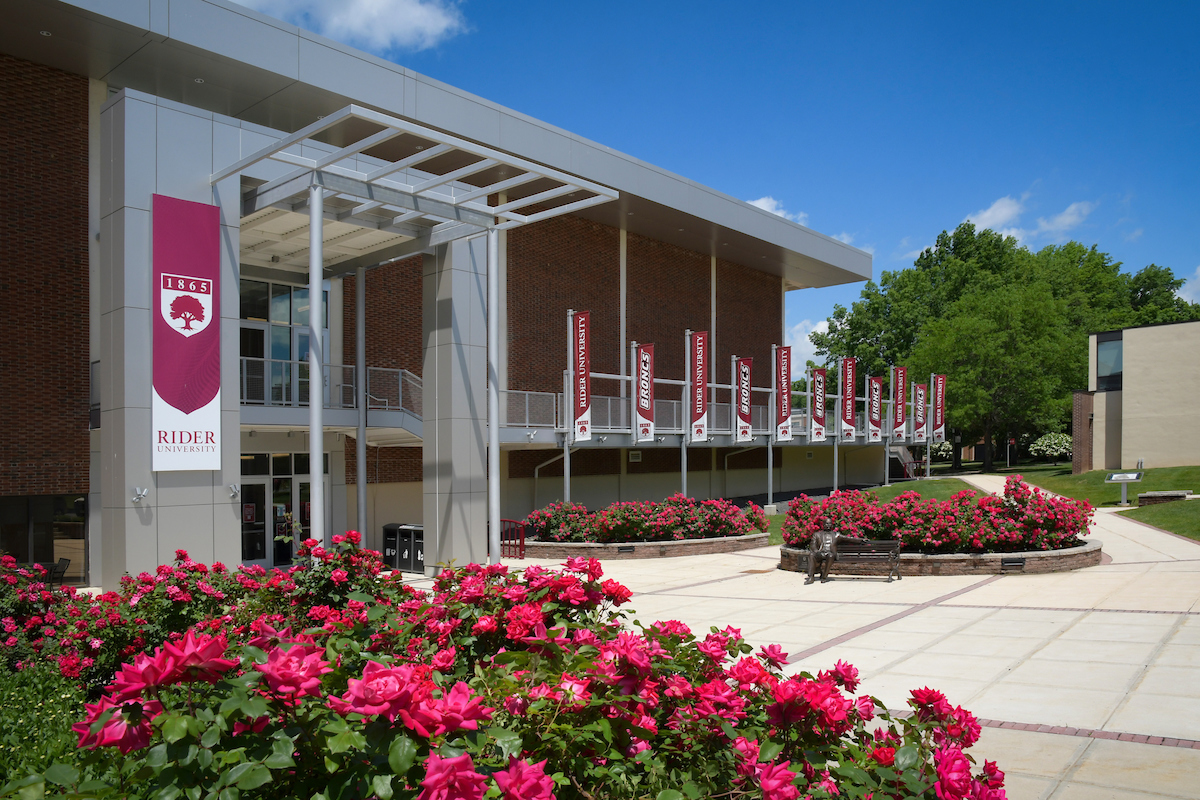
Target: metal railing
point(272, 382)
point(530, 409)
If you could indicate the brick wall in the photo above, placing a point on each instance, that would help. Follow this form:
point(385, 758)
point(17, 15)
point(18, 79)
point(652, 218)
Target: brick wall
point(668, 292)
point(555, 265)
point(393, 317)
point(749, 321)
point(521, 463)
point(44, 280)
point(385, 464)
point(1082, 404)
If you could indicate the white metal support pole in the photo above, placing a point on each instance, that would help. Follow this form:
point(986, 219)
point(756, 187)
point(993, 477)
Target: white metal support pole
point(888, 431)
point(634, 372)
point(772, 404)
point(568, 405)
point(493, 407)
point(360, 393)
point(316, 363)
point(687, 410)
point(928, 430)
point(837, 427)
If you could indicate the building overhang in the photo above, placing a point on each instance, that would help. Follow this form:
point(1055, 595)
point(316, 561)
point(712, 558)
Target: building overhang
point(227, 59)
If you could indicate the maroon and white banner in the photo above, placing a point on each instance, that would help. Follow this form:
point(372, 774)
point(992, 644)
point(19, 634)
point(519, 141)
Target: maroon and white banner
point(645, 394)
point(186, 403)
point(743, 366)
point(846, 415)
point(783, 394)
point(919, 427)
point(581, 373)
point(699, 383)
point(900, 404)
point(939, 408)
point(874, 410)
point(816, 411)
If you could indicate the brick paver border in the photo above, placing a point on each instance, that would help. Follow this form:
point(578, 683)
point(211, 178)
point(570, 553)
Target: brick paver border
point(1091, 733)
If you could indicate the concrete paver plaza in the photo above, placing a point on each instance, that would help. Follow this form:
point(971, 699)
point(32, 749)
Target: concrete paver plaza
point(1088, 682)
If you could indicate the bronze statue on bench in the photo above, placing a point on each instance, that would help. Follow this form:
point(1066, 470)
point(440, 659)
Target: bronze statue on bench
point(827, 547)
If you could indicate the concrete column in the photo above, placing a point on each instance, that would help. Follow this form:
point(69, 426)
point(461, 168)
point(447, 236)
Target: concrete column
point(455, 388)
point(153, 147)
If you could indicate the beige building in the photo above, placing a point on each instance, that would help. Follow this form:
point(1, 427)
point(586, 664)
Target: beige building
point(1143, 399)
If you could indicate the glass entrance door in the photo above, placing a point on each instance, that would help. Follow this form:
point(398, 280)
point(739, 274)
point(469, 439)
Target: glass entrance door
point(254, 523)
point(281, 503)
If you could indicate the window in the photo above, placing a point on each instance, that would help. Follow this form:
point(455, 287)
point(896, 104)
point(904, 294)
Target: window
point(45, 529)
point(1108, 361)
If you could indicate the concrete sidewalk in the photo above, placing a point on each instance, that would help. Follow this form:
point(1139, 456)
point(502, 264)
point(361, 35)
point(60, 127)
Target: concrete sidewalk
point(1088, 681)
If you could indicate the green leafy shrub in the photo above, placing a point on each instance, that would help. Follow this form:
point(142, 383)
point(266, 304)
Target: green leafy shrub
point(38, 705)
point(1052, 447)
point(674, 519)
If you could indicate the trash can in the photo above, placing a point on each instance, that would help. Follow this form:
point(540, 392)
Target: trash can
point(412, 548)
point(392, 545)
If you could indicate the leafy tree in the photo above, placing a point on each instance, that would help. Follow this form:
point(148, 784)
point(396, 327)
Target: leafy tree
point(1008, 326)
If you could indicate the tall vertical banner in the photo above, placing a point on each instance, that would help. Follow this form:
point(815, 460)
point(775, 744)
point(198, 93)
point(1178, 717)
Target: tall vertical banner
point(581, 373)
point(699, 385)
point(939, 408)
point(875, 410)
point(918, 412)
point(186, 403)
point(846, 417)
point(900, 403)
point(783, 394)
point(816, 413)
point(645, 393)
point(743, 366)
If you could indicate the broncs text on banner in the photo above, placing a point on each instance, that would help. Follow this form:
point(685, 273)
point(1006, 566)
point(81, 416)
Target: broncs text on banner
point(783, 394)
point(875, 410)
point(939, 408)
point(186, 401)
point(919, 416)
point(900, 398)
point(743, 366)
point(581, 374)
point(846, 417)
point(699, 387)
point(816, 412)
point(644, 431)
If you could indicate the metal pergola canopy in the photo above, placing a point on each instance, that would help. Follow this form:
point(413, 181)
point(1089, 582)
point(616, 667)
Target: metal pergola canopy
point(393, 188)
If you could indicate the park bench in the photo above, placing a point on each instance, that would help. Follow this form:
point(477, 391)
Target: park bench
point(830, 548)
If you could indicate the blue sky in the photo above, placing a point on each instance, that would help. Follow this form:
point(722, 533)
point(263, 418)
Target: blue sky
point(879, 123)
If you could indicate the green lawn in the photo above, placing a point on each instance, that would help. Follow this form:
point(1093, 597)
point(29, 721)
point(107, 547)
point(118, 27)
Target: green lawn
point(939, 489)
point(1090, 486)
point(1181, 517)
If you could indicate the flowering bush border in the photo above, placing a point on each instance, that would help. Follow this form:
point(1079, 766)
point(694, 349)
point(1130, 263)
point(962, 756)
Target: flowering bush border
point(1023, 518)
point(677, 518)
point(519, 687)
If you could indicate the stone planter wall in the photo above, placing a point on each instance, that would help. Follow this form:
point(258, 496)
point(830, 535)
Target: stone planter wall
point(795, 559)
point(549, 551)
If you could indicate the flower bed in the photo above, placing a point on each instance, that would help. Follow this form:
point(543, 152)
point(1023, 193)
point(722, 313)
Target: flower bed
point(1022, 519)
point(323, 681)
point(675, 519)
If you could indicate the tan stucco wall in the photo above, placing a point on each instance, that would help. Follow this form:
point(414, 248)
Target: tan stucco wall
point(1106, 431)
point(1161, 404)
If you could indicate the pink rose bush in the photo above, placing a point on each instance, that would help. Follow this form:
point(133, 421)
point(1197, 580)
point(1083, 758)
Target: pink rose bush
point(1023, 518)
point(676, 518)
point(518, 686)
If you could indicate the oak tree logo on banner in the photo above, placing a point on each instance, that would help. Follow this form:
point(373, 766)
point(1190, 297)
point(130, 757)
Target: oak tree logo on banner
point(186, 303)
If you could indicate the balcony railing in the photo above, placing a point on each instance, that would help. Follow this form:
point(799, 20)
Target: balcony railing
point(271, 382)
point(611, 414)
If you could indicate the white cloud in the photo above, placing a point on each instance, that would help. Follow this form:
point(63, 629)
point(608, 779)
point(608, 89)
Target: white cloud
point(803, 349)
point(1059, 224)
point(769, 203)
point(845, 238)
point(1133, 236)
point(1190, 291)
point(1005, 210)
point(378, 26)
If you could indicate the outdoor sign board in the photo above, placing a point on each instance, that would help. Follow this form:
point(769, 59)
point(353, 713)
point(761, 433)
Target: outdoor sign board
point(939, 408)
point(186, 401)
point(743, 366)
point(581, 374)
point(919, 428)
point(900, 406)
point(699, 387)
point(849, 379)
point(645, 393)
point(816, 411)
point(783, 394)
point(875, 410)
